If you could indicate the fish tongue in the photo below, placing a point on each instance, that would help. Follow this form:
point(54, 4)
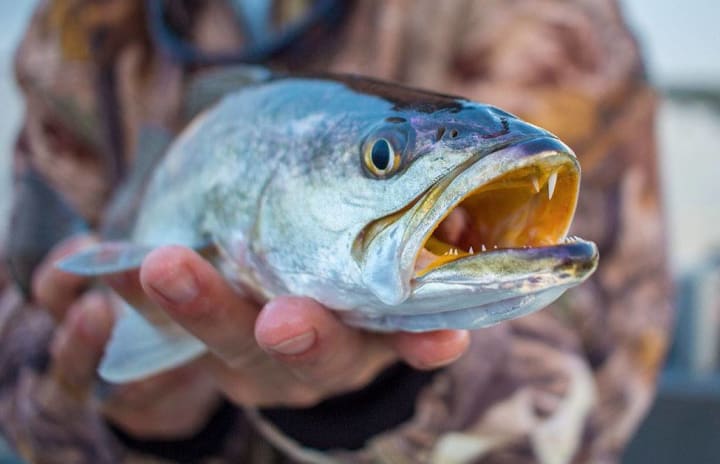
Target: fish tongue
point(452, 227)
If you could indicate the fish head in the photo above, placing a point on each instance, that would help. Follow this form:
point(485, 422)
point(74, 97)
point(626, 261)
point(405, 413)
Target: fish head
point(433, 205)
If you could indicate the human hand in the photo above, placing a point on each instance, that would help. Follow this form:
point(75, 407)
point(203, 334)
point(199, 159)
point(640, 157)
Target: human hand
point(290, 352)
point(172, 404)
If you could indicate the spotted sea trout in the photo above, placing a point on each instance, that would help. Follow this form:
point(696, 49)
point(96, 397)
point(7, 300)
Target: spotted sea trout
point(341, 189)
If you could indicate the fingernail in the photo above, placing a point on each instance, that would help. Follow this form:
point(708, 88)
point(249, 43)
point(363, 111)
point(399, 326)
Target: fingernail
point(178, 288)
point(296, 345)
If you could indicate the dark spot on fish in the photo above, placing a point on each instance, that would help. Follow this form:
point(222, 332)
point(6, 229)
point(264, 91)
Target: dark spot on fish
point(404, 98)
point(504, 130)
point(565, 275)
point(395, 119)
point(454, 133)
point(440, 133)
point(535, 279)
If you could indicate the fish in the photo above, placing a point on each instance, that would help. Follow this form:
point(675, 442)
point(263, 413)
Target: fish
point(343, 189)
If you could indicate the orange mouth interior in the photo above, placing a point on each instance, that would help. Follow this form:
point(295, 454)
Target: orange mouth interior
point(528, 207)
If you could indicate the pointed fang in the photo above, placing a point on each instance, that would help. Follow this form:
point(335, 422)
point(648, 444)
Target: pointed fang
point(536, 184)
point(552, 180)
point(483, 248)
point(472, 252)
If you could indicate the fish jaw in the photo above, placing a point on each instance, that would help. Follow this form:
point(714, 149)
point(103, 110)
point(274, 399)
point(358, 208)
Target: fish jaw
point(521, 200)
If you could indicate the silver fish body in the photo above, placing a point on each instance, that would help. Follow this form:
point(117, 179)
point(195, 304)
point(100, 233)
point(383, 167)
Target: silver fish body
point(336, 188)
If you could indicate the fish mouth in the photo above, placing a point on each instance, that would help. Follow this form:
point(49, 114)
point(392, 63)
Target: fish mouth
point(493, 229)
point(528, 202)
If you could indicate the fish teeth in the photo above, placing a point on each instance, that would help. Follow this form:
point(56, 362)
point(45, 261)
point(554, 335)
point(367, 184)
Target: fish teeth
point(536, 184)
point(482, 247)
point(472, 252)
point(552, 180)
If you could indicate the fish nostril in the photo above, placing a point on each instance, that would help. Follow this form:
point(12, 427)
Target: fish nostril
point(454, 133)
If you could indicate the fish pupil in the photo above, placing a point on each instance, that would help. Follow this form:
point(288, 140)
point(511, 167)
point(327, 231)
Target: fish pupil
point(381, 155)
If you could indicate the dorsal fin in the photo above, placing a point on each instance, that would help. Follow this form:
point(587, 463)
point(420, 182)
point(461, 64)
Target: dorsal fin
point(121, 212)
point(208, 87)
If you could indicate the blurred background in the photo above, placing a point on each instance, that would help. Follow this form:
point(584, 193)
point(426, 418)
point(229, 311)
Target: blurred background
point(681, 43)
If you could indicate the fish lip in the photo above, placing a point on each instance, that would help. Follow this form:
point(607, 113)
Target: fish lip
point(465, 302)
point(574, 259)
point(421, 222)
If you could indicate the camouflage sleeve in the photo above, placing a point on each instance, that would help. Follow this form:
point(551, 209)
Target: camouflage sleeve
point(572, 382)
point(64, 152)
point(58, 150)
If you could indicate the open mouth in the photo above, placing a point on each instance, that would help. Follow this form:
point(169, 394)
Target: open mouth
point(526, 206)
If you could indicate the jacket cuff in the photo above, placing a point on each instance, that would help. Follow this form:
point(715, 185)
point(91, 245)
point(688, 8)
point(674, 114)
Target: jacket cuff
point(349, 420)
point(410, 412)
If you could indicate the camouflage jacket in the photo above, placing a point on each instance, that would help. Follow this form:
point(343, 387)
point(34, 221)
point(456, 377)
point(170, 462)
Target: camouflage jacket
point(568, 384)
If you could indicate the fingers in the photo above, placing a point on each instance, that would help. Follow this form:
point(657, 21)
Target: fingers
point(195, 295)
point(79, 342)
point(431, 350)
point(317, 347)
point(294, 352)
point(57, 290)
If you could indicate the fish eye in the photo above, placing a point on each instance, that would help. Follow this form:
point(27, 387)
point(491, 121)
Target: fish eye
point(380, 158)
point(384, 150)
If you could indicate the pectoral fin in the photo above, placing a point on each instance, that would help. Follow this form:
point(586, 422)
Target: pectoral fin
point(138, 349)
point(105, 258)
